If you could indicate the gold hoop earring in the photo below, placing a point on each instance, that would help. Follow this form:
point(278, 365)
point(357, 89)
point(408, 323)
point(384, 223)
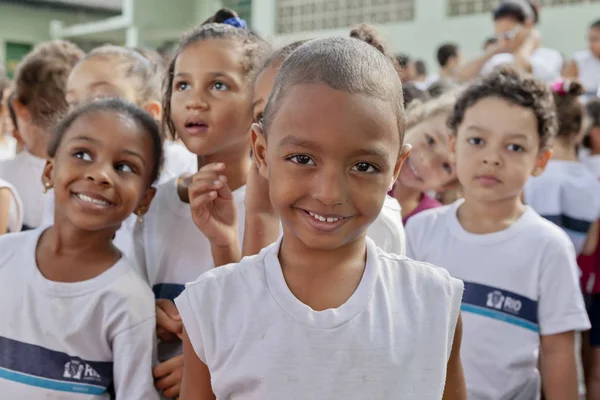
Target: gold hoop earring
point(140, 218)
point(47, 186)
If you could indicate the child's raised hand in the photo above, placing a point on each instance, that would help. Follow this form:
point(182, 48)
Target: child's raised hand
point(213, 207)
point(168, 376)
point(169, 326)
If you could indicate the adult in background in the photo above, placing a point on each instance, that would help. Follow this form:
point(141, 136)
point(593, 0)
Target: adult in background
point(519, 44)
point(585, 64)
point(449, 58)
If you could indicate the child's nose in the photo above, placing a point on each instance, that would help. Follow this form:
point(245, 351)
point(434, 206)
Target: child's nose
point(329, 187)
point(99, 174)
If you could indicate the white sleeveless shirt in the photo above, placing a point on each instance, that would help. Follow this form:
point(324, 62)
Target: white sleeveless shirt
point(391, 340)
point(589, 71)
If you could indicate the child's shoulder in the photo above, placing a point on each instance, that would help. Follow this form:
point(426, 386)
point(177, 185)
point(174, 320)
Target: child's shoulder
point(542, 233)
point(430, 218)
point(14, 245)
point(406, 271)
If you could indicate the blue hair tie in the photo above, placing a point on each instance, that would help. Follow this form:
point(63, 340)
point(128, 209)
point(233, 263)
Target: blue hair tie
point(236, 22)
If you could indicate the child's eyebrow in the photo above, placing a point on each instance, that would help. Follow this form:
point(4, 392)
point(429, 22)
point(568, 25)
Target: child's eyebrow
point(294, 141)
point(98, 142)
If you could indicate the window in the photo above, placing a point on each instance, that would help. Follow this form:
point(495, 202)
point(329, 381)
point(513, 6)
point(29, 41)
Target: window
point(315, 15)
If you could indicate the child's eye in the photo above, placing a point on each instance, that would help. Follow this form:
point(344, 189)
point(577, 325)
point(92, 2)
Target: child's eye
point(301, 159)
point(220, 86)
point(429, 139)
point(476, 141)
point(365, 167)
point(516, 148)
point(83, 155)
point(124, 168)
point(181, 86)
point(447, 168)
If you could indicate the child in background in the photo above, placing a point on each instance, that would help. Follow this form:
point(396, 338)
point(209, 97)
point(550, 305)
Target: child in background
point(8, 144)
point(430, 165)
point(591, 139)
point(323, 313)
point(585, 65)
point(207, 104)
point(11, 209)
point(520, 274)
point(87, 320)
point(40, 85)
point(262, 223)
point(567, 193)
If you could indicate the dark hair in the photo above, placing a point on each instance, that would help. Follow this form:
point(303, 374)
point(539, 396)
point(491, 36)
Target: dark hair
point(535, 7)
point(442, 86)
point(509, 84)
point(120, 107)
point(344, 64)
point(142, 72)
point(420, 67)
point(254, 48)
point(569, 109)
point(403, 60)
point(411, 92)
point(446, 52)
point(221, 16)
point(41, 80)
point(4, 84)
point(11, 111)
point(592, 109)
point(519, 10)
point(489, 41)
point(595, 24)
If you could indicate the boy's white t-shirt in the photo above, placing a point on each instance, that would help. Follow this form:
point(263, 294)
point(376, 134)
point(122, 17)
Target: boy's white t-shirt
point(72, 340)
point(15, 210)
point(24, 172)
point(391, 340)
point(546, 64)
point(520, 283)
point(567, 194)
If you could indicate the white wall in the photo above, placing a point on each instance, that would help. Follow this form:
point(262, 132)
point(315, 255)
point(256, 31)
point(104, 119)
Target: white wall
point(562, 27)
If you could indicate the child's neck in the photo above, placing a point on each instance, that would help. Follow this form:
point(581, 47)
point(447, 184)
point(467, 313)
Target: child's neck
point(564, 150)
point(67, 254)
point(481, 217)
point(322, 279)
point(408, 198)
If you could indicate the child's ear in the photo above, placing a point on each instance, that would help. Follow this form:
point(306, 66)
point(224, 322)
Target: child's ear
point(154, 108)
point(259, 149)
point(21, 110)
point(404, 153)
point(542, 160)
point(144, 204)
point(48, 175)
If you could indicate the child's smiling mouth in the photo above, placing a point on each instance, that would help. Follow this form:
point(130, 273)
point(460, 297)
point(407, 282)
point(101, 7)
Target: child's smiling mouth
point(323, 222)
point(92, 200)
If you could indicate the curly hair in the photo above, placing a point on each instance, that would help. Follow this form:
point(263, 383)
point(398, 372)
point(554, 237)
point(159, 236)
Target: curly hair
point(41, 80)
point(569, 109)
point(509, 84)
point(254, 48)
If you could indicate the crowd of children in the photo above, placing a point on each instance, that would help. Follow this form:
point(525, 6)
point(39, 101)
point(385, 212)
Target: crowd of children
point(229, 224)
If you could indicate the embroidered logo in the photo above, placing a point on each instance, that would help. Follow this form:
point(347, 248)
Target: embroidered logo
point(79, 370)
point(495, 300)
point(499, 301)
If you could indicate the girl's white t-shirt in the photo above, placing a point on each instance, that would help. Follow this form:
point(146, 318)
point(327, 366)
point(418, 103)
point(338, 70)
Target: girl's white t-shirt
point(390, 340)
point(15, 210)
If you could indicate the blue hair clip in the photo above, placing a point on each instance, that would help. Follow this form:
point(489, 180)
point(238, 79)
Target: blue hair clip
point(236, 22)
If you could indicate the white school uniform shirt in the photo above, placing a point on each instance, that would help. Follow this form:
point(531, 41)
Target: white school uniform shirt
point(567, 194)
point(15, 209)
point(178, 161)
point(546, 64)
point(24, 172)
point(387, 231)
point(8, 147)
point(588, 67)
point(72, 340)
point(520, 283)
point(391, 339)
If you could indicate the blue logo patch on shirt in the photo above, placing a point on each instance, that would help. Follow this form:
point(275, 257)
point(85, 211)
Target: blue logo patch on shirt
point(34, 365)
point(501, 305)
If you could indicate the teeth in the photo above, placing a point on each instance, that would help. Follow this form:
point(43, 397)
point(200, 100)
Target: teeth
point(323, 219)
point(414, 171)
point(88, 199)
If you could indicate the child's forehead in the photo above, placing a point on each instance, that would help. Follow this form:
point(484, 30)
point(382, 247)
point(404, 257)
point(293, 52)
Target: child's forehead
point(500, 115)
point(210, 53)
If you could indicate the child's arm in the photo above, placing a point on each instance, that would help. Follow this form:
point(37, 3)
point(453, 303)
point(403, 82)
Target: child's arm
point(261, 223)
point(214, 212)
point(591, 241)
point(559, 368)
point(196, 377)
point(134, 352)
point(5, 198)
point(455, 380)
